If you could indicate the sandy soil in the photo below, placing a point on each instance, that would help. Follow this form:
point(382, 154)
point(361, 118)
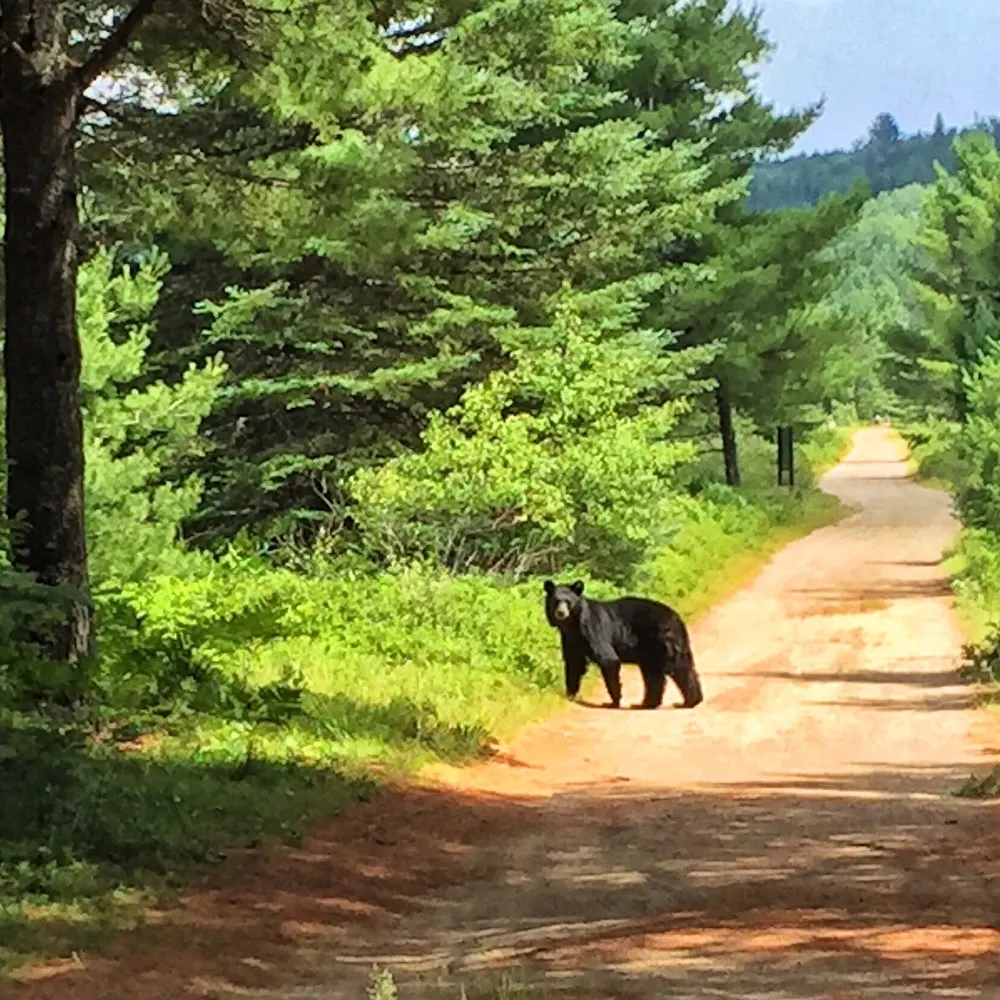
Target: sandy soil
point(794, 837)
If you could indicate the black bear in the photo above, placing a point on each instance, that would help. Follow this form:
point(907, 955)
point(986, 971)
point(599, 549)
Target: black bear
point(629, 630)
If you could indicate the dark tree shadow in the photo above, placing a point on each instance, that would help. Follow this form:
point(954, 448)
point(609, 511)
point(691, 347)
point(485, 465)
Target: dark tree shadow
point(882, 590)
point(791, 886)
point(86, 823)
point(798, 886)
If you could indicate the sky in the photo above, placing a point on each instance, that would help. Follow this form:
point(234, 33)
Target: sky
point(911, 58)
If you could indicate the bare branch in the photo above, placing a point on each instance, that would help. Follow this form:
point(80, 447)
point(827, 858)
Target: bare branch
point(115, 43)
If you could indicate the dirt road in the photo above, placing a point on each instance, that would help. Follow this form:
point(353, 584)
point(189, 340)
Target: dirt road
point(794, 837)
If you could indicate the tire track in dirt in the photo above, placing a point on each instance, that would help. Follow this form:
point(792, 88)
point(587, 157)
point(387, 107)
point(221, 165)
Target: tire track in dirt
point(793, 838)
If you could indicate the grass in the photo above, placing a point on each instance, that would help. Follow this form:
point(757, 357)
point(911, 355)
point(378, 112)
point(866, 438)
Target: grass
point(252, 701)
point(973, 566)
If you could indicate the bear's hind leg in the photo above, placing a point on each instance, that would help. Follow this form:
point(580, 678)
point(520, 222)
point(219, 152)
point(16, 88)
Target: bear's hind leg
point(687, 680)
point(679, 662)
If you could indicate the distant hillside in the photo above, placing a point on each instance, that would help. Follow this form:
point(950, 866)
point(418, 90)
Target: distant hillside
point(887, 158)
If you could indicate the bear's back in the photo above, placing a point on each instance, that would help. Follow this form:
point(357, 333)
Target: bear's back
point(634, 623)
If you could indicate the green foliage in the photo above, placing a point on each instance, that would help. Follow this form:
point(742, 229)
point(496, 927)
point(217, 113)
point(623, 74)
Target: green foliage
point(762, 307)
point(558, 456)
point(978, 492)
point(381, 986)
point(959, 285)
point(395, 643)
point(976, 570)
point(957, 348)
point(90, 829)
point(981, 787)
point(27, 675)
point(431, 202)
point(722, 524)
point(103, 804)
point(136, 431)
point(959, 352)
point(935, 447)
point(877, 362)
point(382, 202)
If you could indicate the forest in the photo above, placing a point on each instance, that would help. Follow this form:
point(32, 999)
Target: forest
point(884, 160)
point(331, 330)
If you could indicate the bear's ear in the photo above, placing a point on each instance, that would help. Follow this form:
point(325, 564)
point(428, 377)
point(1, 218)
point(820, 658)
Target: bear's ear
point(577, 587)
point(549, 586)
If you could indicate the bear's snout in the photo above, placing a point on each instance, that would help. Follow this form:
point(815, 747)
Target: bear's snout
point(562, 611)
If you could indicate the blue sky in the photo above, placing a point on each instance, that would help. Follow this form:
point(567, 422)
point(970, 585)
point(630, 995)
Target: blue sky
point(911, 58)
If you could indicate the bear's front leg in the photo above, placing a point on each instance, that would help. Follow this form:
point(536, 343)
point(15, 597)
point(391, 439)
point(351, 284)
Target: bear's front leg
point(574, 665)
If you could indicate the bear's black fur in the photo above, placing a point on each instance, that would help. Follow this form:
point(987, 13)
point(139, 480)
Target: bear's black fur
point(629, 630)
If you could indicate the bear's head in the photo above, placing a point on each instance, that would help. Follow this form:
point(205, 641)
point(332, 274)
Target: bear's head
point(563, 602)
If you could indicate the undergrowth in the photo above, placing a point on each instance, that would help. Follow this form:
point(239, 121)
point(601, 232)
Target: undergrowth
point(240, 702)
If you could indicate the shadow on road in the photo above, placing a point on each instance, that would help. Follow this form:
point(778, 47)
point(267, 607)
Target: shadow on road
point(931, 679)
point(884, 590)
point(880, 880)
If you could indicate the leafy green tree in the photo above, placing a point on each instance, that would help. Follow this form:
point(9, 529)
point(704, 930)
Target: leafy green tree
point(585, 471)
point(692, 80)
point(978, 493)
point(372, 270)
point(768, 278)
point(960, 281)
point(875, 304)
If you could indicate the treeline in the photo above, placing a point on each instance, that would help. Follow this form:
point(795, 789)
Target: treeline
point(885, 160)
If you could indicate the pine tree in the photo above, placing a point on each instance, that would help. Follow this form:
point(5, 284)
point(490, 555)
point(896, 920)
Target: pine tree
point(769, 274)
point(960, 283)
point(385, 245)
point(693, 80)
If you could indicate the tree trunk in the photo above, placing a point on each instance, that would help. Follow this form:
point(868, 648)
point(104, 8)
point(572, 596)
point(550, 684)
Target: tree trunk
point(728, 432)
point(39, 98)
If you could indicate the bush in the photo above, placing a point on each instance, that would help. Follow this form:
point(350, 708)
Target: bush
point(978, 491)
point(464, 646)
point(936, 449)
